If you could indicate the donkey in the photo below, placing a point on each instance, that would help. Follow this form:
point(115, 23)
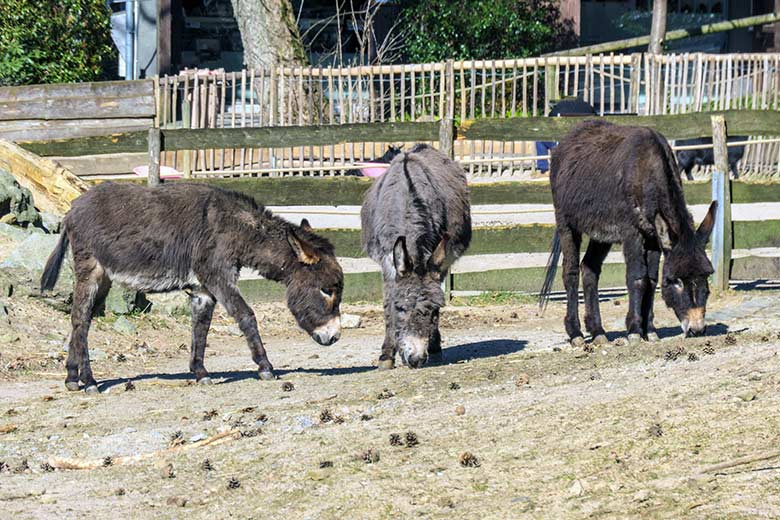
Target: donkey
point(621, 184)
point(416, 222)
point(687, 159)
point(196, 238)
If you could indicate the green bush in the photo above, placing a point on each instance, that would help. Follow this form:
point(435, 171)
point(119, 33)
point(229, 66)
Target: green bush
point(435, 30)
point(46, 41)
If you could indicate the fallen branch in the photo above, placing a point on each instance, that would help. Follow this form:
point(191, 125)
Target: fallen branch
point(74, 463)
point(741, 462)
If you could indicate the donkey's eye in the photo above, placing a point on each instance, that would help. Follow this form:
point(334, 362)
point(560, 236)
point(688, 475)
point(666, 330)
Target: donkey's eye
point(326, 293)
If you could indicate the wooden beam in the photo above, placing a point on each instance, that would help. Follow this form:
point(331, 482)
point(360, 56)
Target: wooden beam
point(641, 41)
point(41, 130)
point(129, 142)
point(98, 89)
point(53, 187)
point(291, 136)
point(721, 192)
point(678, 126)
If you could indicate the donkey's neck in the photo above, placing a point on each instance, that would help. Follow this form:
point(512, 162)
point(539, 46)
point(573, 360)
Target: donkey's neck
point(272, 257)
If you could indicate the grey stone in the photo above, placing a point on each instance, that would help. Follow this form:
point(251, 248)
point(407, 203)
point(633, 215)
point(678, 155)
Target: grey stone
point(175, 303)
point(198, 437)
point(27, 260)
point(50, 222)
point(95, 354)
point(16, 201)
point(121, 300)
point(351, 321)
point(14, 233)
point(123, 326)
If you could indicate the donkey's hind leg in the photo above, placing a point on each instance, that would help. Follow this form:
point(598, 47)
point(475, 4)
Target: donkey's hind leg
point(570, 246)
point(591, 270)
point(91, 285)
point(202, 304)
point(653, 256)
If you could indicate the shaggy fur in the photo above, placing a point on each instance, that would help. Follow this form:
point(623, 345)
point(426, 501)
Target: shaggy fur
point(416, 222)
point(687, 159)
point(196, 238)
point(620, 184)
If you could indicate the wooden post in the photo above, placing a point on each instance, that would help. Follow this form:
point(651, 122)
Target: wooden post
point(186, 117)
point(447, 123)
point(721, 191)
point(155, 138)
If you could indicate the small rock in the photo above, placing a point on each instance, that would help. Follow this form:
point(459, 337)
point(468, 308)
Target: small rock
point(460, 410)
point(576, 489)
point(176, 501)
point(123, 326)
point(385, 394)
point(351, 321)
point(643, 495)
point(755, 376)
point(747, 396)
point(198, 437)
point(522, 379)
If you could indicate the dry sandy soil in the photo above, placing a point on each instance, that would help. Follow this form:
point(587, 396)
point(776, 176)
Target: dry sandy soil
point(552, 432)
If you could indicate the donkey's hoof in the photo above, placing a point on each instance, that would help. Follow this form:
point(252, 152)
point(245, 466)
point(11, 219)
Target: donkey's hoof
point(72, 385)
point(578, 342)
point(386, 364)
point(91, 389)
point(653, 337)
point(205, 381)
point(601, 339)
point(266, 375)
point(634, 339)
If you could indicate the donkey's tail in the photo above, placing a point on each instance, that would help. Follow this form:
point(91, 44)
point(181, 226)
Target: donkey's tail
point(552, 267)
point(52, 270)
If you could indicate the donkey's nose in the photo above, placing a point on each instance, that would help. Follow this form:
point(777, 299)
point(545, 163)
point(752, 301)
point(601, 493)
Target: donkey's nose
point(329, 333)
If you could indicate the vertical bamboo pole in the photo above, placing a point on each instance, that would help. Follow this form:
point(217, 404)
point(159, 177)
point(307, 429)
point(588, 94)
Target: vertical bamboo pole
point(721, 192)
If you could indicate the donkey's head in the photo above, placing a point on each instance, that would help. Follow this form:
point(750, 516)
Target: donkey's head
point(685, 285)
point(416, 295)
point(315, 285)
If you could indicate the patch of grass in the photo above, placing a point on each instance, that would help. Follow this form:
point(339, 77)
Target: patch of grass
point(495, 298)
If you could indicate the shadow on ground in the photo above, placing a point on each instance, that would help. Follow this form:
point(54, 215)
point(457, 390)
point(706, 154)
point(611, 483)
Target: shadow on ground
point(454, 354)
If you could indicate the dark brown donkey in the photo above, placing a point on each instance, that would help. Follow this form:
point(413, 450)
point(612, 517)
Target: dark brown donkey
point(195, 238)
point(621, 184)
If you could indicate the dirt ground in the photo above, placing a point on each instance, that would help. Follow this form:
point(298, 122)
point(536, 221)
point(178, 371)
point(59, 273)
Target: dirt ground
point(513, 424)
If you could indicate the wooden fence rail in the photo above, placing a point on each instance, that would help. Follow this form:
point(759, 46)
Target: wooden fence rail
point(297, 96)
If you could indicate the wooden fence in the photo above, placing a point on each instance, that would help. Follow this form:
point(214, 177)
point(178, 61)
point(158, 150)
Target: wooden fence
point(508, 252)
point(299, 96)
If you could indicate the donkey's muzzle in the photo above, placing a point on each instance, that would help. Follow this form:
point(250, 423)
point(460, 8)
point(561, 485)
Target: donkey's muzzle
point(414, 351)
point(693, 324)
point(329, 333)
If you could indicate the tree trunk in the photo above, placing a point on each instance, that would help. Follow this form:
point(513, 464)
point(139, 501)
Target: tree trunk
point(269, 33)
point(658, 30)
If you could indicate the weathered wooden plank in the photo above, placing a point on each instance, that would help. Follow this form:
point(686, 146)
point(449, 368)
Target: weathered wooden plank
point(115, 143)
point(289, 136)
point(678, 126)
point(153, 177)
point(106, 164)
point(136, 88)
point(42, 130)
point(78, 108)
point(755, 268)
point(53, 187)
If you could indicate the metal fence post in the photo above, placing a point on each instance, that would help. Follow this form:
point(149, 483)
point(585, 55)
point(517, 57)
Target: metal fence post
point(721, 191)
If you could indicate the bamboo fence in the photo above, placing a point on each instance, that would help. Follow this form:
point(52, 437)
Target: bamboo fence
point(613, 84)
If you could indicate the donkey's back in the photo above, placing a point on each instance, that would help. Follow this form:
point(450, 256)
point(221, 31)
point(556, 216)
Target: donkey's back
point(423, 196)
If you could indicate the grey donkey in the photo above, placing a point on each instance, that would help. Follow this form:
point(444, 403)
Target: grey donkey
point(416, 222)
point(195, 238)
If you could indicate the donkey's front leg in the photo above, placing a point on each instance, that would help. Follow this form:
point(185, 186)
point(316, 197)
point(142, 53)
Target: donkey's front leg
point(636, 283)
point(240, 311)
point(653, 261)
point(570, 246)
point(434, 342)
point(202, 304)
point(387, 356)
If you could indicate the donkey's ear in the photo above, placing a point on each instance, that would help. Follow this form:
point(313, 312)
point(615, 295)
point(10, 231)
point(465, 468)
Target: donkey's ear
point(440, 253)
point(401, 257)
point(705, 228)
point(662, 232)
point(305, 225)
point(302, 249)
